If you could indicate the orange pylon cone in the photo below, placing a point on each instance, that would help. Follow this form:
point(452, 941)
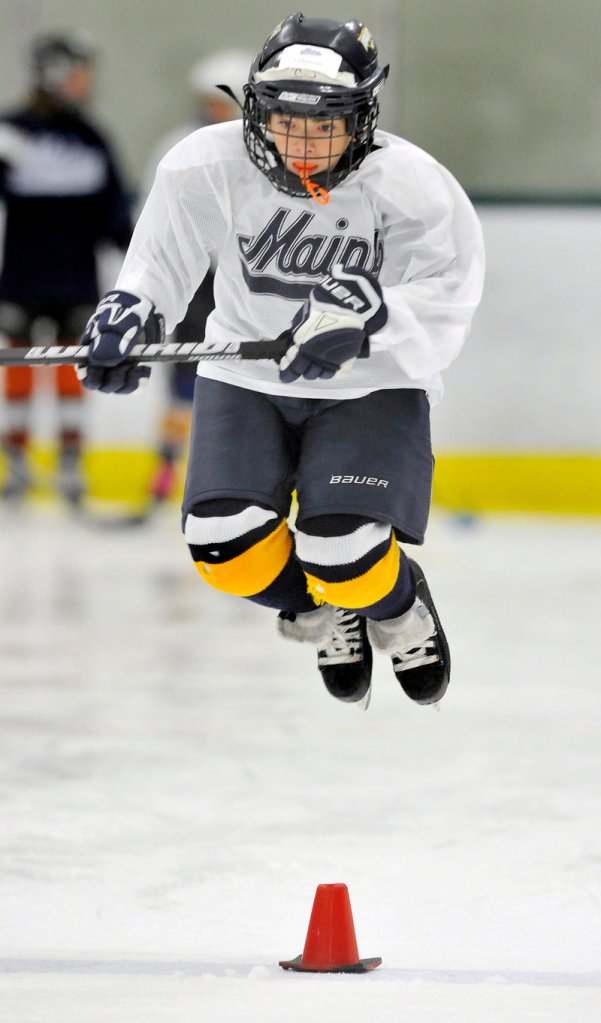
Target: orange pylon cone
point(331, 945)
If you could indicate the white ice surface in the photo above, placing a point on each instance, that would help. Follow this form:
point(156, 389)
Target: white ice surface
point(175, 782)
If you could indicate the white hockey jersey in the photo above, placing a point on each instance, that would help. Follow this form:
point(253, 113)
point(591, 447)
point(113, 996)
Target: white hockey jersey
point(401, 215)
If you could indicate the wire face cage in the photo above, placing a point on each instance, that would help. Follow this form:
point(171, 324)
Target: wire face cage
point(281, 142)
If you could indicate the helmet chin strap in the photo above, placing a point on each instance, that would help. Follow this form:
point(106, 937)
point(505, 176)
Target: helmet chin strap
point(317, 192)
point(232, 95)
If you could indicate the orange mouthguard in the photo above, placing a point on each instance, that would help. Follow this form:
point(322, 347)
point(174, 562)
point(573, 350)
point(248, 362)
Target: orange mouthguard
point(321, 195)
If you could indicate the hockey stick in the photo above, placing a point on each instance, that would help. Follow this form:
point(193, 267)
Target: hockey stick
point(171, 351)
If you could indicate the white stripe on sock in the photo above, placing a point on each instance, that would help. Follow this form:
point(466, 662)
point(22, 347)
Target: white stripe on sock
point(222, 528)
point(341, 550)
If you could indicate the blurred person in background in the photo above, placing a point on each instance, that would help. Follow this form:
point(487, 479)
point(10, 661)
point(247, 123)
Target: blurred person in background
point(63, 196)
point(212, 106)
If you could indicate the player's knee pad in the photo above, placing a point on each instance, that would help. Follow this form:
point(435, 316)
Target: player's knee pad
point(238, 547)
point(349, 560)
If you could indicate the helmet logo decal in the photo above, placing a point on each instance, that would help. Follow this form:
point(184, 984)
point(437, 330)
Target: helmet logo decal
point(276, 30)
point(298, 97)
point(366, 39)
point(310, 58)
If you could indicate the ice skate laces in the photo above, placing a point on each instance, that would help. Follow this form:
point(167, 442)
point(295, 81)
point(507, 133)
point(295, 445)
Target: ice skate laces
point(426, 652)
point(345, 645)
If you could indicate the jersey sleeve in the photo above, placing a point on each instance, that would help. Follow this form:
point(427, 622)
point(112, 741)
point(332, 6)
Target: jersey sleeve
point(173, 241)
point(433, 272)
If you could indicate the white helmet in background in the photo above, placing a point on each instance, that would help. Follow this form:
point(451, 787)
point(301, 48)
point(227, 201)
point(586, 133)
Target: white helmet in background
point(226, 67)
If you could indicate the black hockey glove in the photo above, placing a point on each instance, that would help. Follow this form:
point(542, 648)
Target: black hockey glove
point(111, 332)
point(331, 328)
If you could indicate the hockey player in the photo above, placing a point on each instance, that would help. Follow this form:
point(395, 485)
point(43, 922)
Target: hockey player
point(63, 196)
point(352, 241)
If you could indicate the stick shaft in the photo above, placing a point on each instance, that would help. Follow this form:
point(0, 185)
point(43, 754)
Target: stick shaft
point(172, 351)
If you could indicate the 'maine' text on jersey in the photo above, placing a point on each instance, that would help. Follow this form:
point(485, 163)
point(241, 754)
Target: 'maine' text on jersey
point(288, 249)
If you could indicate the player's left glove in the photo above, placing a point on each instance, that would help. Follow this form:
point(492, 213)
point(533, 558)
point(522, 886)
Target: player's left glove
point(111, 332)
point(331, 328)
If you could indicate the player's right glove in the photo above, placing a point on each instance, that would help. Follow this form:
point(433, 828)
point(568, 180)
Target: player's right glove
point(111, 332)
point(331, 328)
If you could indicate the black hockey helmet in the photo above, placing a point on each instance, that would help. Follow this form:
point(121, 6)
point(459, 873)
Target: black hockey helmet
point(313, 68)
point(53, 57)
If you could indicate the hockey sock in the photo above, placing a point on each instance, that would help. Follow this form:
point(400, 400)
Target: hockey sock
point(349, 560)
point(70, 411)
point(18, 383)
point(399, 599)
point(68, 384)
point(247, 550)
point(18, 392)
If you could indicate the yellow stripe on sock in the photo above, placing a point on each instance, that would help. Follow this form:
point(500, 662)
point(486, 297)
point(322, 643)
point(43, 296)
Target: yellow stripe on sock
point(255, 569)
point(364, 589)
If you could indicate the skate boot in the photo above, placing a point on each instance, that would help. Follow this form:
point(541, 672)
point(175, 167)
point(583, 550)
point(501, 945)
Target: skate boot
point(343, 652)
point(417, 645)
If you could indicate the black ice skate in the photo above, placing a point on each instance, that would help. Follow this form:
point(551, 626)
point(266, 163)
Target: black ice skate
point(345, 660)
point(344, 655)
point(417, 645)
